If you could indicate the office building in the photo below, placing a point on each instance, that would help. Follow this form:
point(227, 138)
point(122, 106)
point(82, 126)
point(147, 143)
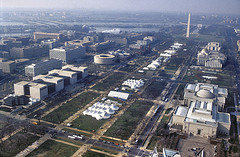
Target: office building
point(42, 67)
point(51, 43)
point(43, 35)
point(68, 54)
point(32, 51)
point(4, 54)
point(34, 90)
point(101, 46)
point(82, 72)
point(7, 66)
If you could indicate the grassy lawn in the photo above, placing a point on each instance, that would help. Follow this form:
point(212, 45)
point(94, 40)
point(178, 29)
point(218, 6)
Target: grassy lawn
point(109, 82)
point(52, 148)
point(15, 144)
point(207, 38)
point(180, 92)
point(71, 107)
point(94, 154)
point(87, 123)
point(154, 89)
point(223, 78)
point(2, 124)
point(127, 123)
point(105, 150)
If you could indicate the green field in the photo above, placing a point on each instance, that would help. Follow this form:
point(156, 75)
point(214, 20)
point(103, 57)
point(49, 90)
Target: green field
point(52, 148)
point(207, 38)
point(15, 144)
point(223, 78)
point(154, 89)
point(180, 92)
point(94, 154)
point(71, 107)
point(127, 123)
point(87, 123)
point(109, 82)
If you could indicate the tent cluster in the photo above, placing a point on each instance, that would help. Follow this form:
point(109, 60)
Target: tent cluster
point(101, 110)
point(133, 84)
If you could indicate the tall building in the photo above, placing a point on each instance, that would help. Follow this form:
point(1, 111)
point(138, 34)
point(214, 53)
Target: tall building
point(188, 26)
point(68, 54)
point(43, 67)
point(7, 66)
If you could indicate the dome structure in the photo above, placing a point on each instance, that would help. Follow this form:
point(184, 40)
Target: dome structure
point(203, 93)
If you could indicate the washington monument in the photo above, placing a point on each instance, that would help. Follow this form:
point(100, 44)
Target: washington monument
point(188, 26)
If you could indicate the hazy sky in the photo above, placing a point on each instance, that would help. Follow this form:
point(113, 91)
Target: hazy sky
point(203, 6)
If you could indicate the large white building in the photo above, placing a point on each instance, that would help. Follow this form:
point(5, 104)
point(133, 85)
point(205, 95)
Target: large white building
point(211, 57)
point(68, 54)
point(205, 92)
point(43, 67)
point(201, 117)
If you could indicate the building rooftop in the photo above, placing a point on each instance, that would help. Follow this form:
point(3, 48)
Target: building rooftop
point(181, 111)
point(48, 78)
point(223, 117)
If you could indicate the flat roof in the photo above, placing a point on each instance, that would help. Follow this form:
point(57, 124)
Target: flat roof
point(22, 83)
point(48, 78)
point(63, 72)
point(223, 117)
point(120, 95)
point(181, 111)
point(36, 85)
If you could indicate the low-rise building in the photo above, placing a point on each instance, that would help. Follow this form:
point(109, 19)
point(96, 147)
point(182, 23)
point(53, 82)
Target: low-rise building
point(101, 46)
point(43, 35)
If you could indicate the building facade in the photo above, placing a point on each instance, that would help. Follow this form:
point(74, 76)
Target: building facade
point(68, 54)
point(7, 66)
point(42, 67)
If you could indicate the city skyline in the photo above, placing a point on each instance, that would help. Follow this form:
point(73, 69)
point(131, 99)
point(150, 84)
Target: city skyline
point(203, 6)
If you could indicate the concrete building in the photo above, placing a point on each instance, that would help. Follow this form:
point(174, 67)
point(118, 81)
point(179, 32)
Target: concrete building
point(58, 81)
point(82, 72)
point(7, 66)
point(4, 54)
point(104, 59)
point(205, 92)
point(43, 35)
point(34, 90)
point(101, 46)
point(51, 43)
point(42, 67)
point(70, 74)
point(68, 54)
point(117, 39)
point(29, 51)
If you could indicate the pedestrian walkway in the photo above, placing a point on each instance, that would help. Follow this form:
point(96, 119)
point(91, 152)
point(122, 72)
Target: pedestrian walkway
point(35, 145)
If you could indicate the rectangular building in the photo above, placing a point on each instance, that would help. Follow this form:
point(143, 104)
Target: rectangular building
point(7, 66)
point(42, 67)
point(29, 51)
point(43, 35)
point(34, 90)
point(68, 54)
point(58, 81)
point(70, 74)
